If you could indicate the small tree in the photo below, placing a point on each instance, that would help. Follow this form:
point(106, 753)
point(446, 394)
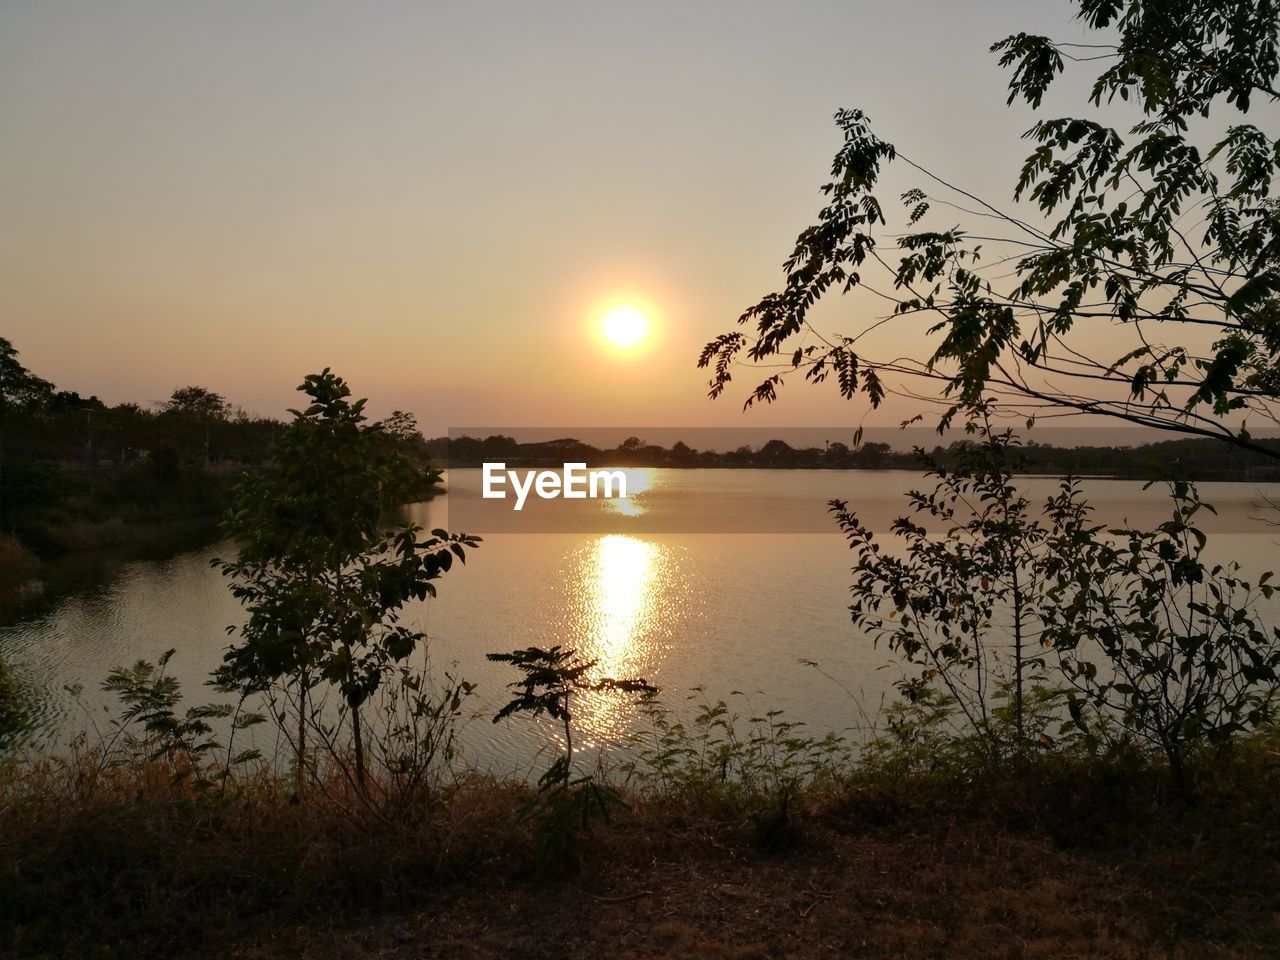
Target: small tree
point(149, 728)
point(552, 678)
point(1147, 637)
point(962, 608)
point(323, 577)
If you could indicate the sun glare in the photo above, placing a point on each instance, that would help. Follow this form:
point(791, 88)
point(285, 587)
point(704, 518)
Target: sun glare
point(624, 327)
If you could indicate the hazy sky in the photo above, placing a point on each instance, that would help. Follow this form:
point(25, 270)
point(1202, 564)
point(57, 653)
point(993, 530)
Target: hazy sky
point(436, 199)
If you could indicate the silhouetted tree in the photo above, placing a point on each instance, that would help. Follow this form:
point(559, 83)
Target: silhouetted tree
point(321, 573)
point(963, 610)
point(777, 452)
point(1161, 244)
point(198, 402)
point(20, 389)
point(682, 453)
point(22, 394)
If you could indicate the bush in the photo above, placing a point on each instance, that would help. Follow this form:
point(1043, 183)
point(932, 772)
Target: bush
point(1151, 634)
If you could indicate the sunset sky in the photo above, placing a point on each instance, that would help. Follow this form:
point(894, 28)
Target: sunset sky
point(441, 200)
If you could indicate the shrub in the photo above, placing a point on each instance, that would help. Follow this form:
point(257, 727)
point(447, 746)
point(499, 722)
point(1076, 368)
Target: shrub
point(1151, 633)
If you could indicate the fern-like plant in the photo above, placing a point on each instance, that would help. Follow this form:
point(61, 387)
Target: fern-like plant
point(566, 805)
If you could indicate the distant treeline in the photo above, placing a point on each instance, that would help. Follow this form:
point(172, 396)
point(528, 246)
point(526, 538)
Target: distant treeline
point(77, 473)
point(1196, 459)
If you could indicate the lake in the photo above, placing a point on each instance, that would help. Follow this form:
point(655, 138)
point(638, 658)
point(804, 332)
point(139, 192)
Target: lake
point(723, 611)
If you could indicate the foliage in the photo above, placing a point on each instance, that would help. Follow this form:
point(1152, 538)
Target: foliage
point(1200, 458)
point(21, 392)
point(924, 739)
point(963, 603)
point(1152, 633)
point(20, 389)
point(75, 471)
point(198, 402)
point(70, 464)
point(322, 576)
point(112, 867)
point(1156, 245)
point(759, 764)
point(14, 709)
point(1021, 627)
point(1159, 243)
point(62, 427)
point(416, 738)
point(566, 805)
point(150, 730)
point(30, 496)
point(762, 753)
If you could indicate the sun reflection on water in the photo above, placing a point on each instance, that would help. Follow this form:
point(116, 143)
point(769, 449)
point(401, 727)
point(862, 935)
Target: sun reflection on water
point(622, 574)
point(624, 610)
point(640, 480)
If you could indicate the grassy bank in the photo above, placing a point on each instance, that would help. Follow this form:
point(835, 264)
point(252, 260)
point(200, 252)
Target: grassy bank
point(17, 563)
point(124, 512)
point(95, 551)
point(124, 506)
point(1061, 858)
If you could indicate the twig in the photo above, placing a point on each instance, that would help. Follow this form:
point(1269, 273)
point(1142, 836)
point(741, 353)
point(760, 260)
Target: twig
point(622, 899)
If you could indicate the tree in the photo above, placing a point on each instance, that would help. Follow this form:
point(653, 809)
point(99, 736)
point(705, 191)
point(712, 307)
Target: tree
point(1152, 645)
point(322, 574)
point(71, 400)
point(22, 394)
point(682, 453)
point(20, 389)
point(965, 609)
point(776, 451)
point(404, 437)
point(872, 453)
point(1169, 247)
point(198, 402)
point(191, 416)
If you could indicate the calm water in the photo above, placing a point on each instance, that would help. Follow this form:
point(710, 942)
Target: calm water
point(728, 612)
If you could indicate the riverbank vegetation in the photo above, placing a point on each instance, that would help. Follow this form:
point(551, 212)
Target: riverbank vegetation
point(77, 474)
point(1083, 759)
point(123, 852)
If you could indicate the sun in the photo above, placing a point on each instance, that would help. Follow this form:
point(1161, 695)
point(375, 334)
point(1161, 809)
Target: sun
point(624, 327)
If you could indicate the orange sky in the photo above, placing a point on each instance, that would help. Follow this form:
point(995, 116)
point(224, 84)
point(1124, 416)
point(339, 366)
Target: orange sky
point(436, 200)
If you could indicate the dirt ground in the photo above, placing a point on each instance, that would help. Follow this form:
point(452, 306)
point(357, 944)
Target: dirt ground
point(954, 890)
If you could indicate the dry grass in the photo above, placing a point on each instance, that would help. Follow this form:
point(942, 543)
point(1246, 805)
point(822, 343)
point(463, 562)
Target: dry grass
point(954, 889)
point(129, 865)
